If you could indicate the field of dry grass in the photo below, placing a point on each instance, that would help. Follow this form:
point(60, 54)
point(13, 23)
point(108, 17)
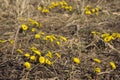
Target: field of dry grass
point(69, 42)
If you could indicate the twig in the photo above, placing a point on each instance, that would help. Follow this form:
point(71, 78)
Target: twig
point(104, 72)
point(16, 36)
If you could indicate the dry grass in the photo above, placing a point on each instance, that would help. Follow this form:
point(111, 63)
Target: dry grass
point(75, 26)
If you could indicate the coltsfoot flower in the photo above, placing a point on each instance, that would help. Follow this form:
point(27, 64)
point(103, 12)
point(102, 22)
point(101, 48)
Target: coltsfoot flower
point(37, 36)
point(24, 27)
point(58, 55)
point(37, 52)
point(76, 60)
point(97, 60)
point(20, 51)
point(39, 8)
point(113, 65)
point(47, 61)
point(33, 58)
point(97, 70)
point(27, 65)
point(42, 60)
point(27, 55)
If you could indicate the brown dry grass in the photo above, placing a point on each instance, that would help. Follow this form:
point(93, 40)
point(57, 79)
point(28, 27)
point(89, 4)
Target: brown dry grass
point(75, 26)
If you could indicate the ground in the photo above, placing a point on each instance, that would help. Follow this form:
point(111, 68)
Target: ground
point(75, 25)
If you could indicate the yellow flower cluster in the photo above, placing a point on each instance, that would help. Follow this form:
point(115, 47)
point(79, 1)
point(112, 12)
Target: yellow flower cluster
point(63, 38)
point(89, 10)
point(107, 37)
point(55, 39)
point(50, 37)
point(37, 57)
point(34, 22)
point(44, 60)
point(4, 41)
point(61, 4)
point(30, 22)
point(98, 70)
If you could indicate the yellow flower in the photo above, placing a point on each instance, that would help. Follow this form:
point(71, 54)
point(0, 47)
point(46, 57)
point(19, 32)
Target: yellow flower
point(93, 10)
point(113, 65)
point(105, 35)
point(27, 55)
point(97, 9)
point(3, 41)
point(53, 3)
point(30, 20)
point(76, 60)
point(50, 37)
point(42, 60)
point(58, 55)
point(114, 34)
point(11, 41)
point(27, 65)
point(63, 7)
point(87, 7)
point(67, 8)
point(97, 70)
point(51, 7)
point(88, 12)
point(60, 3)
point(45, 10)
point(70, 8)
point(37, 52)
point(37, 36)
point(41, 33)
point(58, 43)
point(32, 58)
point(20, 51)
point(40, 24)
point(95, 33)
point(33, 29)
point(118, 35)
point(33, 48)
point(97, 13)
point(47, 61)
point(24, 27)
point(109, 38)
point(53, 37)
point(49, 54)
point(97, 60)
point(63, 38)
point(35, 23)
point(39, 8)
point(64, 3)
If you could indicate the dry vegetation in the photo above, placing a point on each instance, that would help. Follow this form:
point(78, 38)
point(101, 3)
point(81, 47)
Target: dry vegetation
point(75, 42)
